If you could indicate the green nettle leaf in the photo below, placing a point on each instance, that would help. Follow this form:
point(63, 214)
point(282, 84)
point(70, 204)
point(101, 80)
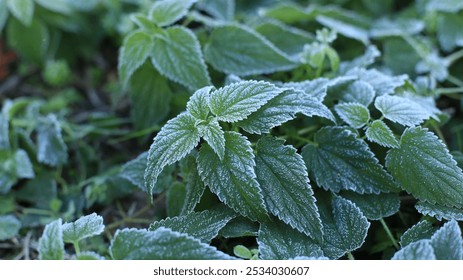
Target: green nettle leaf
point(85, 226)
point(283, 178)
point(134, 170)
point(373, 206)
point(362, 61)
point(447, 242)
point(439, 211)
point(355, 115)
point(9, 227)
point(89, 256)
point(315, 88)
point(419, 250)
point(239, 227)
point(277, 241)
point(166, 12)
point(135, 50)
point(4, 135)
point(237, 101)
point(422, 230)
point(198, 105)
point(220, 9)
point(194, 185)
point(233, 178)
point(23, 10)
point(358, 92)
point(31, 42)
point(449, 32)
point(292, 43)
point(284, 108)
point(161, 244)
point(175, 193)
point(23, 165)
point(242, 252)
point(401, 110)
point(381, 134)
point(175, 140)
point(345, 28)
point(150, 95)
point(238, 50)
point(51, 245)
point(345, 227)
point(340, 161)
point(424, 168)
point(381, 83)
point(51, 148)
point(177, 55)
point(203, 225)
point(212, 132)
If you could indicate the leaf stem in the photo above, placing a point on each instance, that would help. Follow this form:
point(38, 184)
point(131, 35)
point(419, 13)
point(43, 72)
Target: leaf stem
point(76, 247)
point(389, 233)
point(449, 90)
point(455, 80)
point(454, 57)
point(350, 256)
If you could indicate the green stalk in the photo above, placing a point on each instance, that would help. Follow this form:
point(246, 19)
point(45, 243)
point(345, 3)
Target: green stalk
point(389, 233)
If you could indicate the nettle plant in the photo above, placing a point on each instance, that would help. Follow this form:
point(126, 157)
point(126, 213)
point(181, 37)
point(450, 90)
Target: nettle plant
point(297, 151)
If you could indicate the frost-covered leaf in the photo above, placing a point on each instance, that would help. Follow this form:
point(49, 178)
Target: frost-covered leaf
point(150, 95)
point(161, 244)
point(422, 230)
point(134, 172)
point(136, 48)
point(219, 9)
point(355, 115)
point(447, 242)
point(89, 256)
point(198, 105)
point(419, 250)
point(381, 134)
point(400, 56)
point(449, 32)
point(439, 212)
point(23, 10)
point(9, 227)
point(238, 50)
point(374, 206)
point(176, 193)
point(283, 108)
point(362, 61)
point(422, 156)
point(283, 178)
point(193, 183)
point(277, 241)
point(233, 179)
point(166, 12)
point(51, 245)
point(345, 28)
point(177, 55)
point(381, 83)
point(212, 132)
point(4, 135)
point(58, 6)
point(85, 226)
point(341, 161)
point(344, 225)
point(401, 110)
point(315, 88)
point(203, 225)
point(292, 43)
point(358, 92)
point(450, 6)
point(23, 165)
point(175, 140)
point(237, 101)
point(51, 148)
point(239, 227)
point(385, 27)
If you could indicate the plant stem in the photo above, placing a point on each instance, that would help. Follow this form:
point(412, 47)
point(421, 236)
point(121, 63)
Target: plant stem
point(389, 233)
point(449, 90)
point(350, 256)
point(76, 247)
point(454, 57)
point(455, 80)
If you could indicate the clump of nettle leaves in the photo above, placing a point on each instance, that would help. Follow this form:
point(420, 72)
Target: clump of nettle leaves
point(297, 150)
